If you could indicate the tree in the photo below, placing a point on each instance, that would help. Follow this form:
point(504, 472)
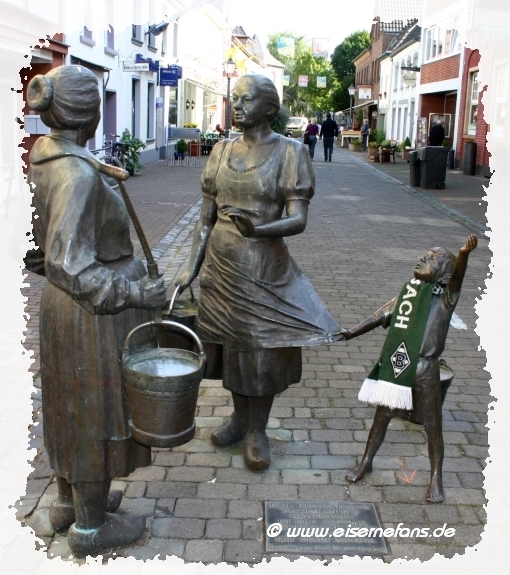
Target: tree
point(343, 66)
point(310, 99)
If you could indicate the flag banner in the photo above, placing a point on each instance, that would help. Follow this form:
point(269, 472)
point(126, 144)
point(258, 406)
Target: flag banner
point(321, 81)
point(285, 46)
point(320, 47)
point(303, 82)
point(285, 80)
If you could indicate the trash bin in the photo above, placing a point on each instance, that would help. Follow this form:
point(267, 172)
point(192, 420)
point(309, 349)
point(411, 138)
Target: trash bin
point(451, 159)
point(433, 161)
point(414, 168)
point(469, 168)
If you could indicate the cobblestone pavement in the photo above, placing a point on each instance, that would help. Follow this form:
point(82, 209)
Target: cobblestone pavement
point(364, 235)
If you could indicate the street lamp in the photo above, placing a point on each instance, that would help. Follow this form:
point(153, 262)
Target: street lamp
point(230, 67)
point(352, 91)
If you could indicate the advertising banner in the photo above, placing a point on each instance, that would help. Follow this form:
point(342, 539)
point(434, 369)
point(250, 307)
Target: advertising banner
point(303, 81)
point(286, 46)
point(320, 47)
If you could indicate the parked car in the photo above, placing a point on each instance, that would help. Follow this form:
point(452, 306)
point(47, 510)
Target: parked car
point(296, 127)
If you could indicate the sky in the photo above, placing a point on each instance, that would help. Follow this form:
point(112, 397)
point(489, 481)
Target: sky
point(332, 19)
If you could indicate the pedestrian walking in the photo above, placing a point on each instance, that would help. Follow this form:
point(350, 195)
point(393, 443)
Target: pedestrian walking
point(437, 133)
point(328, 133)
point(310, 136)
point(365, 133)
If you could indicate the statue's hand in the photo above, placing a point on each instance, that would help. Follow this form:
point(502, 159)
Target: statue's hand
point(241, 221)
point(470, 244)
point(184, 280)
point(147, 293)
point(346, 334)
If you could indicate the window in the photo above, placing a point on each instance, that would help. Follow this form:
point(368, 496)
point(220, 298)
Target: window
point(428, 45)
point(152, 41)
point(174, 51)
point(136, 34)
point(151, 104)
point(442, 40)
point(86, 37)
point(110, 41)
point(472, 103)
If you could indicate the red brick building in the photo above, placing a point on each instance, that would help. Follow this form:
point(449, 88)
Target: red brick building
point(368, 66)
point(47, 56)
point(471, 123)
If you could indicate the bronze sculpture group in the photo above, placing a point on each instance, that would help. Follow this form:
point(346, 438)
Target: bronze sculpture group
point(256, 310)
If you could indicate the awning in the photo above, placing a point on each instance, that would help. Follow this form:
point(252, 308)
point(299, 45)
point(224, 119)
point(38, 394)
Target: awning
point(206, 87)
point(90, 65)
point(367, 103)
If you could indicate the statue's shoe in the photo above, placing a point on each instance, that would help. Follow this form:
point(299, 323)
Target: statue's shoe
point(230, 432)
point(62, 515)
point(116, 531)
point(256, 451)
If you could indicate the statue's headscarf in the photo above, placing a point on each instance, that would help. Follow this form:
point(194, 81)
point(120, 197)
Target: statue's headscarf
point(67, 97)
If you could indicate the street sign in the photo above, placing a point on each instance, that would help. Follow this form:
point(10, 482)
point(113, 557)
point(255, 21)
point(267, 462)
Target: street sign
point(183, 133)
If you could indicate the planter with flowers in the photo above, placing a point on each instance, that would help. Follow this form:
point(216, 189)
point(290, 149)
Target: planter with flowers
point(373, 152)
point(181, 147)
point(132, 152)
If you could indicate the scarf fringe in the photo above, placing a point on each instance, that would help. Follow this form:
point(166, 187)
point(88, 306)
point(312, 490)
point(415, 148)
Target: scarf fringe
point(380, 392)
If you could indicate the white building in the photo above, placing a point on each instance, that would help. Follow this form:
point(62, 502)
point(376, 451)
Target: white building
point(402, 84)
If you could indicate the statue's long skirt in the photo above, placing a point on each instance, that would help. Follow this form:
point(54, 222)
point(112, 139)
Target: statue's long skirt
point(85, 406)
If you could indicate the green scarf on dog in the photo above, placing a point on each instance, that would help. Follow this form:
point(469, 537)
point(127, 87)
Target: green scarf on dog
point(391, 380)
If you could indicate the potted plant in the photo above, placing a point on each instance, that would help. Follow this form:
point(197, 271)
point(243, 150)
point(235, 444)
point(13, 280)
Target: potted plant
point(372, 152)
point(406, 146)
point(357, 146)
point(194, 147)
point(132, 154)
point(181, 147)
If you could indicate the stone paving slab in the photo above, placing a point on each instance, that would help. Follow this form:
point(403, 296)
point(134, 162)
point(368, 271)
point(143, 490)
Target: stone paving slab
point(364, 235)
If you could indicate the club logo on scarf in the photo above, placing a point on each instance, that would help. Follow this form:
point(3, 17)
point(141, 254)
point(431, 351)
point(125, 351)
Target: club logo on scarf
point(400, 360)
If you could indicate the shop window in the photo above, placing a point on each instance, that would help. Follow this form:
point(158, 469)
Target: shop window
point(151, 105)
point(472, 103)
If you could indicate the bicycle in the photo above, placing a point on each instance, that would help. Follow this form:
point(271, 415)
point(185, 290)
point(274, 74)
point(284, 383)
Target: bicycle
point(115, 154)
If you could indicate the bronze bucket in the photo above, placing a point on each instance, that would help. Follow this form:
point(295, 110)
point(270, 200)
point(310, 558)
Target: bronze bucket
point(162, 385)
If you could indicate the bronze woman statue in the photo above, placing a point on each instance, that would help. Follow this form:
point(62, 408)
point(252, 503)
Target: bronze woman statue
point(97, 291)
point(256, 309)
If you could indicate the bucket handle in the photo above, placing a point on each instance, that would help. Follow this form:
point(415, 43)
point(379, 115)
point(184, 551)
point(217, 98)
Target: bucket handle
point(177, 292)
point(174, 324)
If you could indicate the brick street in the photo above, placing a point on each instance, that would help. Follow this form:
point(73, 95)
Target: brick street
point(366, 230)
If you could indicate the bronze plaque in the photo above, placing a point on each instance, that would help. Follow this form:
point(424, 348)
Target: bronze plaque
point(324, 528)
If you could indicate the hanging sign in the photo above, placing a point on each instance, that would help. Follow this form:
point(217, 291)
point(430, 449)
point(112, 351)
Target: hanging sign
point(303, 81)
point(285, 80)
point(135, 67)
point(285, 46)
point(320, 47)
point(321, 82)
point(170, 76)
